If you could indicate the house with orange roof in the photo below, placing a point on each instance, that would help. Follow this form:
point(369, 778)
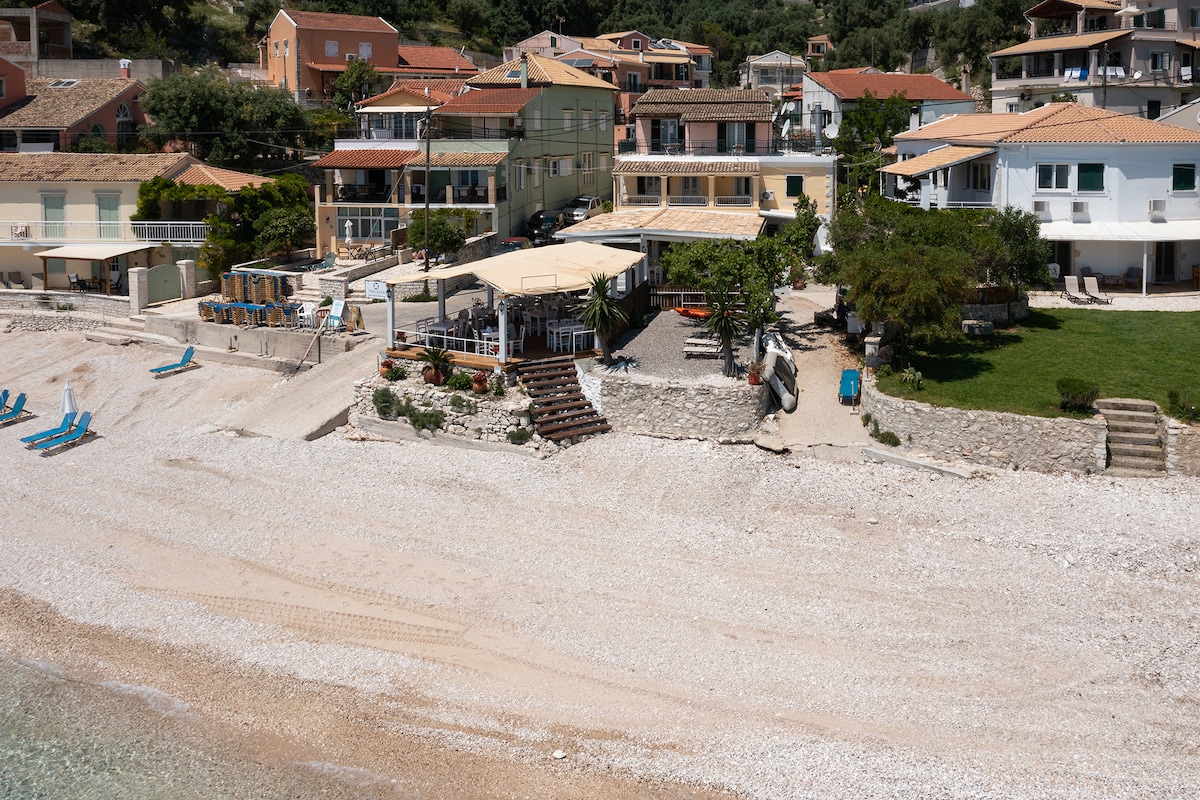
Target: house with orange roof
point(527, 135)
point(828, 95)
point(1116, 194)
point(304, 51)
point(46, 114)
point(79, 208)
point(1110, 54)
point(426, 61)
point(774, 72)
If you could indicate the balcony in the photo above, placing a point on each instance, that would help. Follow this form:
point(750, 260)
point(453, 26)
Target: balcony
point(734, 200)
point(363, 193)
point(156, 232)
point(687, 200)
point(695, 147)
point(641, 200)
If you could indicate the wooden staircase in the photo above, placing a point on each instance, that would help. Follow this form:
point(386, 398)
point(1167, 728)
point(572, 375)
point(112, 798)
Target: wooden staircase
point(1135, 443)
point(560, 411)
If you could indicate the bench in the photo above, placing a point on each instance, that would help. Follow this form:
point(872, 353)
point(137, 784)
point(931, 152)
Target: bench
point(705, 348)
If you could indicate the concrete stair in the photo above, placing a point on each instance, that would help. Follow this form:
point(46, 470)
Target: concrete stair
point(1135, 443)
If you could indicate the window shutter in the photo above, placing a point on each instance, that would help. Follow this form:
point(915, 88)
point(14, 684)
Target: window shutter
point(795, 185)
point(749, 137)
point(655, 134)
point(722, 139)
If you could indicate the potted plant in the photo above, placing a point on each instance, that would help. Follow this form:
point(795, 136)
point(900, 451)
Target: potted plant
point(479, 382)
point(385, 365)
point(754, 373)
point(796, 277)
point(401, 342)
point(437, 365)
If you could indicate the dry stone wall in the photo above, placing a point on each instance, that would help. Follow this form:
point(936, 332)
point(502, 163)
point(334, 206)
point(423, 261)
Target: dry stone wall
point(1183, 449)
point(53, 321)
point(991, 438)
point(722, 409)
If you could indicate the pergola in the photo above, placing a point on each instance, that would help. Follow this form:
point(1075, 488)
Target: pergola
point(89, 253)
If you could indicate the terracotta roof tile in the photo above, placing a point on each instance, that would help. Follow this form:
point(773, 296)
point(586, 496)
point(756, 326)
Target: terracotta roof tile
point(461, 160)
point(205, 175)
point(706, 105)
point(1056, 122)
point(440, 90)
point(435, 59)
point(675, 165)
point(61, 108)
point(541, 72)
point(853, 86)
point(716, 224)
point(105, 167)
point(490, 101)
point(320, 20)
point(366, 158)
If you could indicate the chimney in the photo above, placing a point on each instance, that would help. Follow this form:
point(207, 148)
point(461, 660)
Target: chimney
point(524, 70)
point(125, 64)
point(914, 118)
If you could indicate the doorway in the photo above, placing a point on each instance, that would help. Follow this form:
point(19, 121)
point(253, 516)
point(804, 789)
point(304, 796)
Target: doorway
point(1164, 262)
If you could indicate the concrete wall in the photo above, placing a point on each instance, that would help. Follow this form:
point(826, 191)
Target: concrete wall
point(1183, 449)
point(271, 342)
point(991, 438)
point(336, 284)
point(712, 408)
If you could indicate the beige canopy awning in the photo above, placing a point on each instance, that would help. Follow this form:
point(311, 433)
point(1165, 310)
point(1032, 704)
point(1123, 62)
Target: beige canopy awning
point(1051, 44)
point(935, 160)
point(94, 252)
point(542, 270)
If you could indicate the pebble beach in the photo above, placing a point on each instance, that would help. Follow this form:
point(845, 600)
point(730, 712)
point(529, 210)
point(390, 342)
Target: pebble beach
point(668, 618)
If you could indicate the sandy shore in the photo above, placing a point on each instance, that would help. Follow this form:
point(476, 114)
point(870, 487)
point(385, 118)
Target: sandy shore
point(681, 619)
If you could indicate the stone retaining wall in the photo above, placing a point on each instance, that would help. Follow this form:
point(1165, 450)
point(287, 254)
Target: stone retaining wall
point(53, 321)
point(997, 313)
point(102, 305)
point(1183, 449)
point(491, 421)
point(335, 284)
point(991, 438)
point(722, 409)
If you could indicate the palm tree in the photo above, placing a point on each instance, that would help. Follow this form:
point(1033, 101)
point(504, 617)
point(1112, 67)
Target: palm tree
point(602, 313)
point(726, 323)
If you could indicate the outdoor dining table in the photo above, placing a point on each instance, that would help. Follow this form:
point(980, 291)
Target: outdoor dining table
point(536, 319)
point(441, 329)
point(560, 333)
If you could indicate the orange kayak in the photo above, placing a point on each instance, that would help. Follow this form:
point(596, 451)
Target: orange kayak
point(694, 313)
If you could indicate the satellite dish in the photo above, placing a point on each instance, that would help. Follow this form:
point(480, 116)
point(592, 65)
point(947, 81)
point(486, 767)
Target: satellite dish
point(791, 107)
point(787, 124)
point(830, 131)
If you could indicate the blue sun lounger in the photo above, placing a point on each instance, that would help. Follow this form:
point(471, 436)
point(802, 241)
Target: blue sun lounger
point(849, 388)
point(3, 400)
point(71, 439)
point(183, 364)
point(65, 427)
point(16, 412)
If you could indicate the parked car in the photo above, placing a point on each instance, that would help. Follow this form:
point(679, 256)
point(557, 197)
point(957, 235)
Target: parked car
point(544, 224)
point(513, 243)
point(585, 206)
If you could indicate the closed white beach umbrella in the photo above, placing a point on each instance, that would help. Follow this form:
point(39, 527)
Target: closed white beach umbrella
point(68, 400)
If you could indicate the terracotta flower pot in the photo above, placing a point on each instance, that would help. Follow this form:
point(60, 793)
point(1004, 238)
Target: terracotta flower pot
point(434, 377)
point(753, 378)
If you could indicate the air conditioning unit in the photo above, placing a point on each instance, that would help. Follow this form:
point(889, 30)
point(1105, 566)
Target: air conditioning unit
point(1042, 209)
point(767, 194)
point(1157, 207)
point(1079, 208)
point(351, 56)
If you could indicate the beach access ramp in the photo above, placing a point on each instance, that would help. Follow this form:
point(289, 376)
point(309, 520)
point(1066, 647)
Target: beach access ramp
point(308, 405)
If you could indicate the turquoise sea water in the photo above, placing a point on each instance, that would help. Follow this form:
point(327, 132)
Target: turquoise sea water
point(63, 739)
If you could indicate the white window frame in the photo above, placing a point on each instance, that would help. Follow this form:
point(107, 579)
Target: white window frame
point(1013, 108)
point(603, 114)
point(1163, 59)
point(1194, 17)
point(587, 168)
point(585, 121)
point(568, 119)
point(537, 172)
point(537, 119)
point(286, 42)
point(331, 48)
point(364, 51)
point(276, 48)
point(519, 177)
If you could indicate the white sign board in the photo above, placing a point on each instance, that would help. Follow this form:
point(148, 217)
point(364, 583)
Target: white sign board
point(376, 290)
point(339, 306)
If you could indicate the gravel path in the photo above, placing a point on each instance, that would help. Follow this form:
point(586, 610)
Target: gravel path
point(676, 617)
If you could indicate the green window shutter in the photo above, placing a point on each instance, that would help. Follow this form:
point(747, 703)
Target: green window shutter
point(1091, 177)
point(795, 185)
point(749, 137)
point(1183, 178)
point(721, 137)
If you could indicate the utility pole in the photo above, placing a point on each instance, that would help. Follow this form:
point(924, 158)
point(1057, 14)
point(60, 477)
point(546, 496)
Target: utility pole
point(428, 188)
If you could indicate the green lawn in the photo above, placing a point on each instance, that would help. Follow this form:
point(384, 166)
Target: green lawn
point(1142, 354)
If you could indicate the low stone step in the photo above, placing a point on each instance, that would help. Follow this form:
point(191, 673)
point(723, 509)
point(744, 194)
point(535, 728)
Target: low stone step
point(128, 335)
point(1132, 472)
point(127, 324)
point(1125, 404)
point(1122, 415)
point(1119, 460)
point(1140, 450)
point(107, 337)
point(1134, 437)
point(1132, 428)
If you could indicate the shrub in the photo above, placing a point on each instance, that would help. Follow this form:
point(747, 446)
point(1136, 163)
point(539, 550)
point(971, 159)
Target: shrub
point(427, 420)
point(911, 376)
point(866, 420)
point(395, 373)
point(459, 381)
point(497, 386)
point(886, 437)
point(65, 307)
point(463, 405)
point(519, 436)
point(325, 301)
point(385, 401)
point(1077, 394)
point(1184, 408)
point(884, 371)
point(421, 297)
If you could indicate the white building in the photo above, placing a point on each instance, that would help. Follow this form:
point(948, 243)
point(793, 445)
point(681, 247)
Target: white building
point(835, 92)
point(776, 72)
point(1115, 193)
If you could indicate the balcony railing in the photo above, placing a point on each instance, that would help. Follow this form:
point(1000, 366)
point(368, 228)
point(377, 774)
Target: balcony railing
point(642, 200)
point(687, 200)
point(181, 233)
point(363, 193)
point(757, 147)
point(734, 200)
